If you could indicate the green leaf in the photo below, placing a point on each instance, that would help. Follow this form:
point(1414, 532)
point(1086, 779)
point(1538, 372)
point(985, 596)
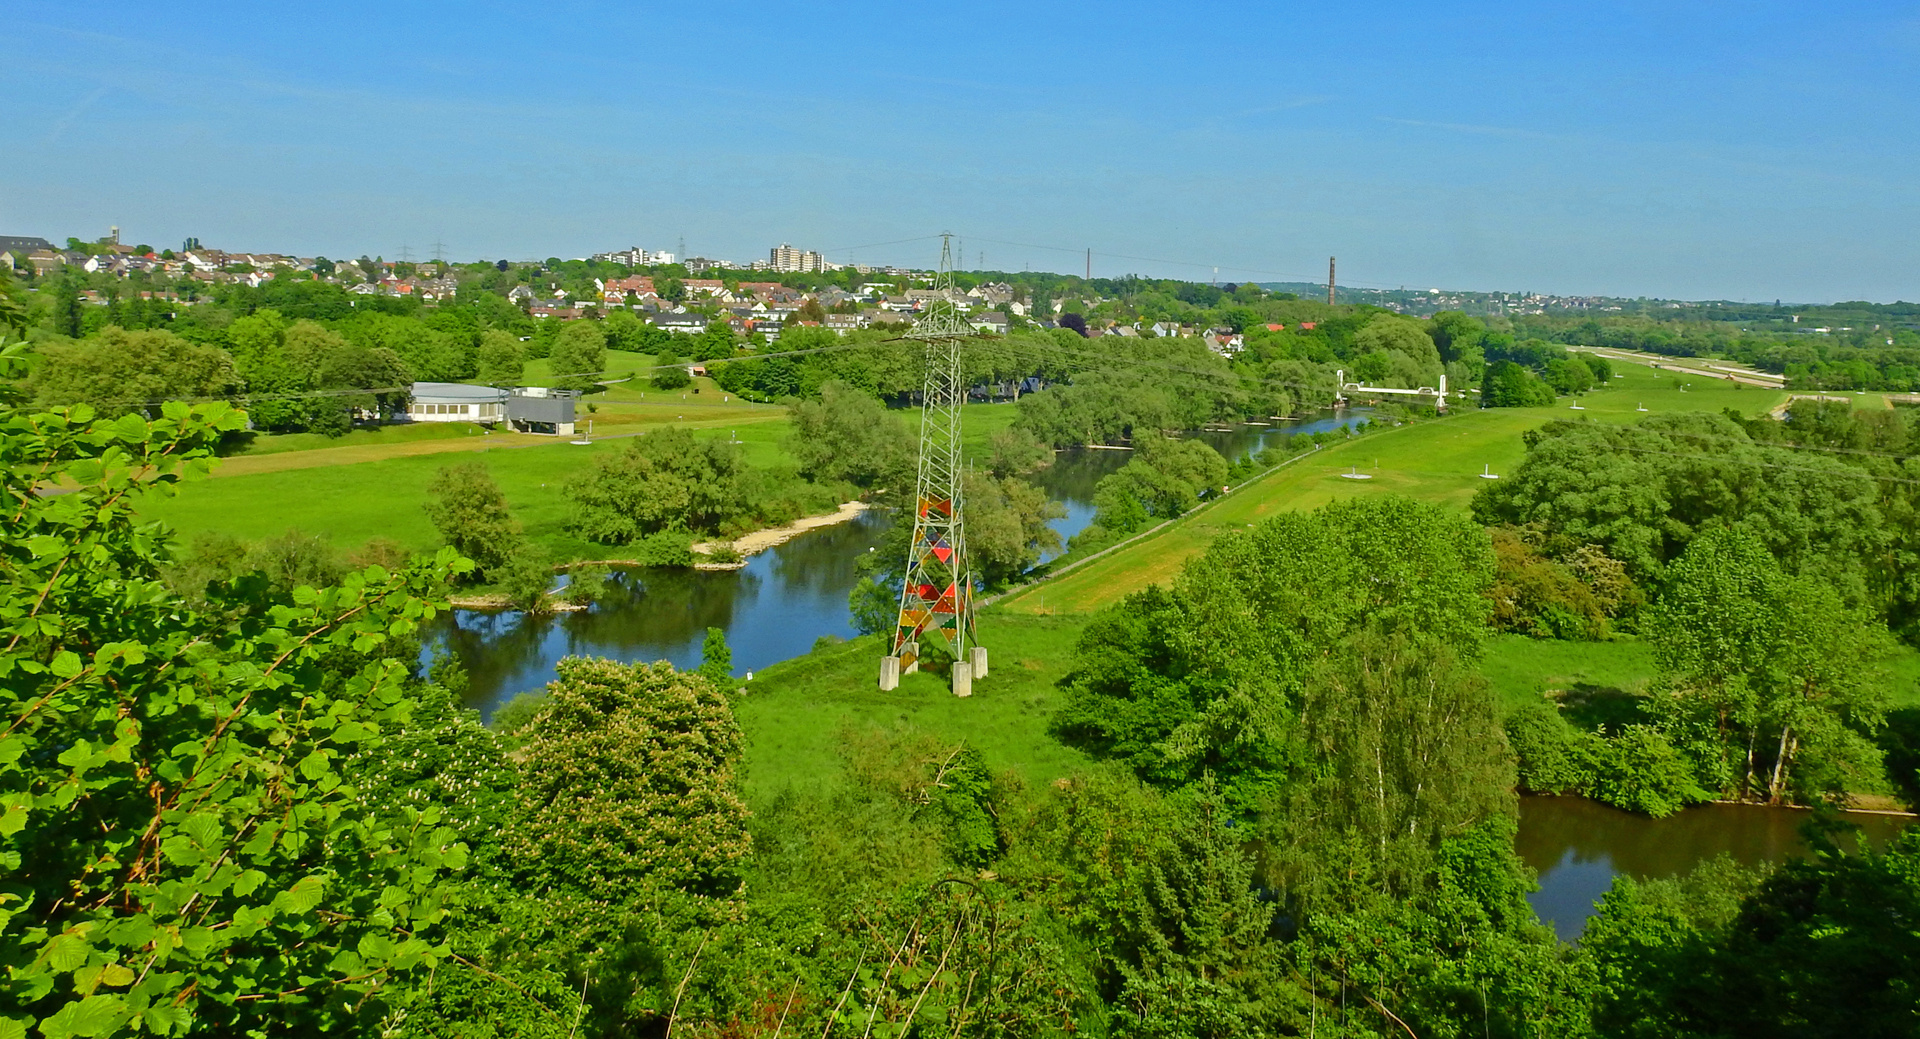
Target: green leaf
point(94, 1015)
point(65, 952)
point(302, 896)
point(66, 664)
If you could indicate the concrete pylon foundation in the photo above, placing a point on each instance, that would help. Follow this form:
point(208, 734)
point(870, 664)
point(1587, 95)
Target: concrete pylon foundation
point(962, 675)
point(889, 673)
point(979, 662)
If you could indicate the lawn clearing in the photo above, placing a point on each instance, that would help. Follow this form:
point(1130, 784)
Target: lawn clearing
point(793, 713)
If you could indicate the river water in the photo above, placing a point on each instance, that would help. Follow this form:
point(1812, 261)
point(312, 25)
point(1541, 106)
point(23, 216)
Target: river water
point(1578, 846)
point(789, 596)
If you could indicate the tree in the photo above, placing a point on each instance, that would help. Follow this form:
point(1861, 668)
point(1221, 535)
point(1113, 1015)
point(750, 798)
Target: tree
point(1508, 385)
point(848, 435)
point(629, 786)
point(1164, 480)
point(1766, 673)
point(200, 750)
point(1074, 322)
point(716, 659)
point(501, 362)
point(1408, 753)
point(579, 355)
point(1567, 376)
point(471, 513)
point(1209, 674)
point(119, 371)
point(666, 479)
point(1007, 523)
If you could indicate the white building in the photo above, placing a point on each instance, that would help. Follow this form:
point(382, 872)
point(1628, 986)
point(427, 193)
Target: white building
point(531, 409)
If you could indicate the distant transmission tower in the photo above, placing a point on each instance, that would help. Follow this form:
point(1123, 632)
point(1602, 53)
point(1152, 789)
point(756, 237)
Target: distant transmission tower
point(937, 596)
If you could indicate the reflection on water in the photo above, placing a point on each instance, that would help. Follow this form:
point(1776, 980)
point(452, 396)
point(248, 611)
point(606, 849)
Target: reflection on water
point(1577, 846)
point(1074, 473)
point(773, 609)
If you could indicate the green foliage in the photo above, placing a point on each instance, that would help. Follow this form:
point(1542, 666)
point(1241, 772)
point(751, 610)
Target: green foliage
point(579, 355)
point(1406, 752)
point(848, 435)
point(587, 584)
point(182, 849)
point(628, 787)
point(666, 478)
point(500, 362)
point(1554, 757)
point(118, 371)
point(1817, 946)
point(1508, 385)
point(1165, 479)
point(673, 377)
point(470, 512)
point(526, 580)
point(1211, 674)
point(1007, 523)
point(1535, 594)
point(1773, 687)
point(716, 659)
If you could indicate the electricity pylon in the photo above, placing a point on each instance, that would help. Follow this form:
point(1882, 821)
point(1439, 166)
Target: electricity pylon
point(937, 595)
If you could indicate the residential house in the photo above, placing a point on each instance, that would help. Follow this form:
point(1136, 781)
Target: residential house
point(520, 296)
point(689, 323)
point(844, 323)
point(990, 321)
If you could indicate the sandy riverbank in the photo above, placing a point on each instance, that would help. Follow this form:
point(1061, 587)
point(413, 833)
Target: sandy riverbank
point(761, 540)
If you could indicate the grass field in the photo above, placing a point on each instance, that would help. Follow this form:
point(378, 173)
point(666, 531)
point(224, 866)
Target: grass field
point(348, 499)
point(794, 712)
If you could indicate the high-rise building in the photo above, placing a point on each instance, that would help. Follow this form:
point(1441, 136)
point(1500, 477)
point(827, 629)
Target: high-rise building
point(786, 258)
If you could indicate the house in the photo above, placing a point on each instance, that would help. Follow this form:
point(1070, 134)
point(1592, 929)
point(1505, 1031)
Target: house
point(22, 244)
point(520, 295)
point(990, 321)
point(559, 310)
point(709, 286)
point(843, 323)
point(689, 323)
point(45, 261)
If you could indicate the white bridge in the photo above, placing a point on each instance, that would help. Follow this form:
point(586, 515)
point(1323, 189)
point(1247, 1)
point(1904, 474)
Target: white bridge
point(1347, 391)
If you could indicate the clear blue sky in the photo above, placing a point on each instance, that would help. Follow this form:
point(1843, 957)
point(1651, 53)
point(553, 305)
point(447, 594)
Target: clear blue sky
point(1692, 150)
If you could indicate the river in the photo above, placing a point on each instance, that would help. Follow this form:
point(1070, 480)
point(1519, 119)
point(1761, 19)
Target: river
point(1578, 846)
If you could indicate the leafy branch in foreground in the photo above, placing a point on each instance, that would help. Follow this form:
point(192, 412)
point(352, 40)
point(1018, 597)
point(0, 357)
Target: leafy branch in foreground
point(182, 849)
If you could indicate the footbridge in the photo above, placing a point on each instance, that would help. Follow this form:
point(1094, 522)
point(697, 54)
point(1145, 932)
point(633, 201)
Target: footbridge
point(1348, 392)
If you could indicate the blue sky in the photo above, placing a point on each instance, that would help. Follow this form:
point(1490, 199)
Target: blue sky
point(1690, 150)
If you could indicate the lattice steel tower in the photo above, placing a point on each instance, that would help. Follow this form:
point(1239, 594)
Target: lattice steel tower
point(937, 595)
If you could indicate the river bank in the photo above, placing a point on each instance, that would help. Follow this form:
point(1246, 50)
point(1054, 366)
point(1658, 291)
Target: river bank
point(750, 544)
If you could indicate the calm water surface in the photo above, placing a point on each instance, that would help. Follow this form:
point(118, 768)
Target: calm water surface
point(1578, 846)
